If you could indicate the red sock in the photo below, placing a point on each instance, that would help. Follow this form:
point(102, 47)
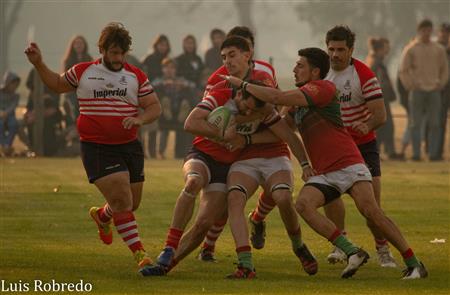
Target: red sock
point(105, 214)
point(213, 234)
point(265, 205)
point(127, 227)
point(173, 238)
point(380, 243)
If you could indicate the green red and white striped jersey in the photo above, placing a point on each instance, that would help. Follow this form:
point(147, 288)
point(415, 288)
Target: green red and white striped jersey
point(356, 85)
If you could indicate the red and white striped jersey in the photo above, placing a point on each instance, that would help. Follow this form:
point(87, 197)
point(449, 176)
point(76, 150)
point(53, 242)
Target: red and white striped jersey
point(258, 65)
point(106, 98)
point(356, 85)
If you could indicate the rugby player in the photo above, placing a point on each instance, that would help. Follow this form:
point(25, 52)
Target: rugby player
point(265, 203)
point(362, 111)
point(110, 93)
point(335, 157)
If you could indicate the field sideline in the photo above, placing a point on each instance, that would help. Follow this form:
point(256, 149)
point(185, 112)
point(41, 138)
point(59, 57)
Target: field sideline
point(46, 233)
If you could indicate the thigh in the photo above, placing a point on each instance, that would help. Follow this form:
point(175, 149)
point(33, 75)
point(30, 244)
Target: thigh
point(433, 108)
point(363, 195)
point(115, 186)
point(310, 196)
point(195, 166)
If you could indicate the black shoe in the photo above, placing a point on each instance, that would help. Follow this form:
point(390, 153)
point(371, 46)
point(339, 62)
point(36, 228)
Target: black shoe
point(257, 232)
point(308, 260)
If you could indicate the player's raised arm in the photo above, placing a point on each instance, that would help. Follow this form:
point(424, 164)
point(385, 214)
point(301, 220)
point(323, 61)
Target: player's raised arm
point(53, 80)
point(271, 95)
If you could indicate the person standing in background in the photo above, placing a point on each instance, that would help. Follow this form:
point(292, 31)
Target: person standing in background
point(76, 52)
point(378, 50)
point(213, 60)
point(424, 72)
point(151, 65)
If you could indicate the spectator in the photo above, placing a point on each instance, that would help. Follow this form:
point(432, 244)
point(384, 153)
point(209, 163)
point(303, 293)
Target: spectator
point(443, 39)
point(378, 50)
point(152, 62)
point(9, 100)
point(177, 100)
point(53, 139)
point(189, 64)
point(424, 72)
point(76, 52)
point(151, 66)
point(213, 59)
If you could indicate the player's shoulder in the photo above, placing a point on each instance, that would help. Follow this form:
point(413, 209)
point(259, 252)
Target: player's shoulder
point(264, 66)
point(264, 77)
point(319, 87)
point(140, 75)
point(363, 71)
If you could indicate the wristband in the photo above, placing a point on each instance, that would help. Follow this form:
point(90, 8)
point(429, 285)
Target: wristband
point(244, 85)
point(304, 164)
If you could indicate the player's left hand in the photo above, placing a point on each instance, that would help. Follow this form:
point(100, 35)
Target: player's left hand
point(130, 122)
point(360, 127)
point(308, 171)
point(236, 143)
point(233, 80)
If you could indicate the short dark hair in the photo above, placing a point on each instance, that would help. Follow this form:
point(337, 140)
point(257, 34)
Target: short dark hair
point(236, 41)
point(317, 58)
point(258, 102)
point(341, 33)
point(114, 34)
point(425, 23)
point(243, 32)
point(216, 32)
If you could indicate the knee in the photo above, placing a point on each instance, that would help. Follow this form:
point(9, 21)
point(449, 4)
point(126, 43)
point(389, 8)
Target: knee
point(373, 214)
point(193, 184)
point(283, 200)
point(302, 207)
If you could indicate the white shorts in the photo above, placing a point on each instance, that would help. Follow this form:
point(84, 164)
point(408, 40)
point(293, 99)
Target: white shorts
point(343, 179)
point(262, 168)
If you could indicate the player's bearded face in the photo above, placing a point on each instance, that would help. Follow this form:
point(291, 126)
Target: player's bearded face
point(113, 58)
point(340, 54)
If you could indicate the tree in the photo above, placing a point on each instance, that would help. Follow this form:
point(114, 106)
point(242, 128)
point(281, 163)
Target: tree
point(9, 10)
point(393, 19)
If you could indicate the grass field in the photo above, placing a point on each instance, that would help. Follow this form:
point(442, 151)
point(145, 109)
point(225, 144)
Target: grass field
point(48, 235)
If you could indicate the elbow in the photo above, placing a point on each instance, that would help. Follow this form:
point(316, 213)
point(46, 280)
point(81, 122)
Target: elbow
point(188, 126)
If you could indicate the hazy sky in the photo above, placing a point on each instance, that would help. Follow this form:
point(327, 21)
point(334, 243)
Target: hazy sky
point(279, 32)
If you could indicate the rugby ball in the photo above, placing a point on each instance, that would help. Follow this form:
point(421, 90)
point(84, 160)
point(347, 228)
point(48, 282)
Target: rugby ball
point(220, 117)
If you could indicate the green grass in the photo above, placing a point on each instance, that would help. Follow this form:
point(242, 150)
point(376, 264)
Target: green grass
point(48, 235)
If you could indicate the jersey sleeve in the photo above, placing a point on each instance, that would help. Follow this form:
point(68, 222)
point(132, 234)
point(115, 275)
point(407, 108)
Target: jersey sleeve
point(145, 88)
point(73, 75)
point(319, 93)
point(214, 99)
point(370, 87)
point(214, 78)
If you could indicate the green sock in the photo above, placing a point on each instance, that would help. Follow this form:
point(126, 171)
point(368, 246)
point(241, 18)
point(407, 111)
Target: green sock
point(345, 245)
point(245, 259)
point(296, 241)
point(412, 261)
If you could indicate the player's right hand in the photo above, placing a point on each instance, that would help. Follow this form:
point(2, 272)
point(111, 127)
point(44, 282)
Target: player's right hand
point(33, 53)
